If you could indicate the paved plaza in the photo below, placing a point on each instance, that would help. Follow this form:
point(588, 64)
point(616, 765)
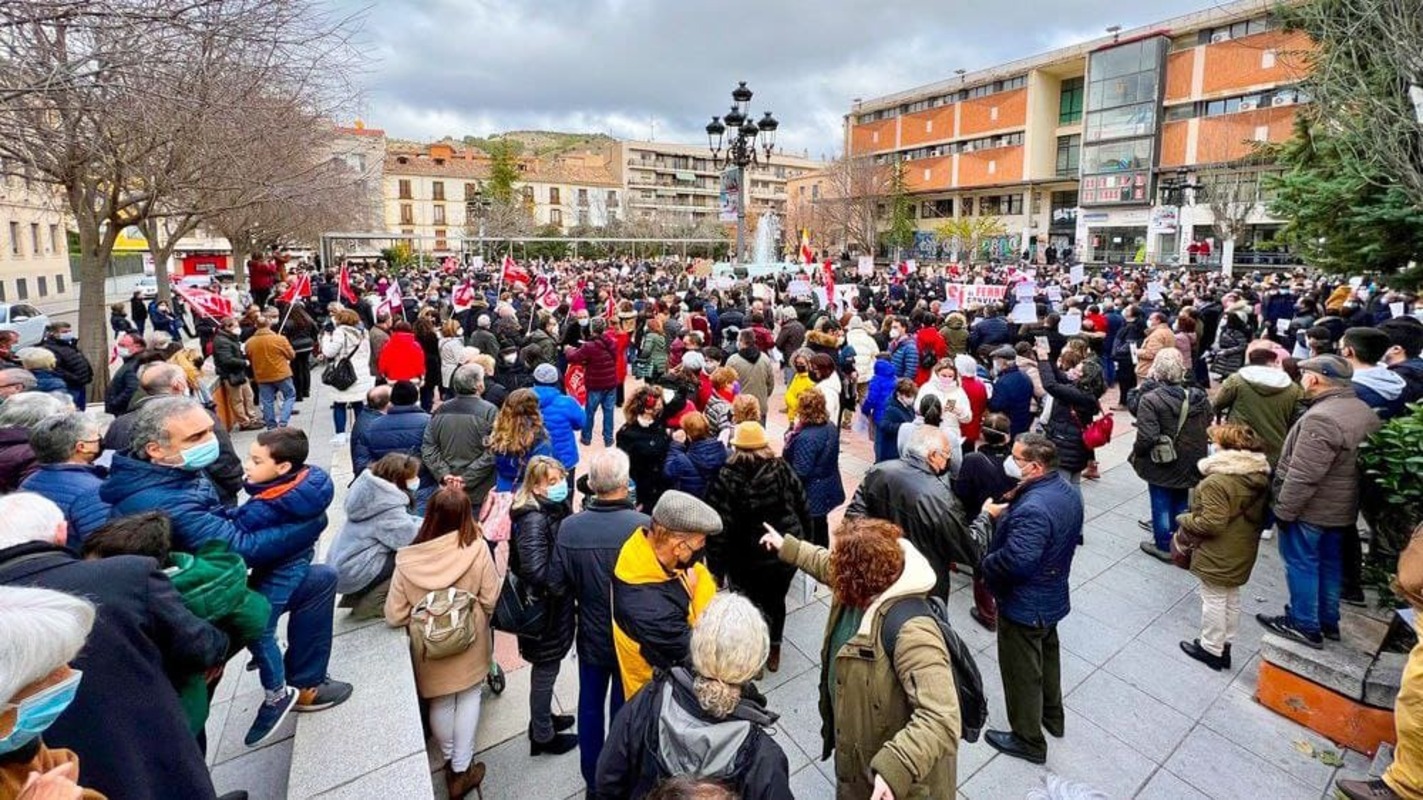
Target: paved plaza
point(1143, 719)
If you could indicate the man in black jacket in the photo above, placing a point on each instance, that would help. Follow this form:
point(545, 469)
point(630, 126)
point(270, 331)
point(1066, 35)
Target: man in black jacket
point(913, 493)
point(125, 724)
point(233, 369)
point(71, 365)
point(162, 379)
point(124, 382)
point(582, 567)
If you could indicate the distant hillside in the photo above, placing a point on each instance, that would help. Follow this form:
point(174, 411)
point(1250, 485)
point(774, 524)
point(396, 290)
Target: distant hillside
point(541, 143)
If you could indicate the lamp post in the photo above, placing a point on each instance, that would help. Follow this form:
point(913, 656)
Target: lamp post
point(741, 150)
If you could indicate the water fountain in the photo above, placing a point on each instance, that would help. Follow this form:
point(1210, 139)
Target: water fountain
point(767, 234)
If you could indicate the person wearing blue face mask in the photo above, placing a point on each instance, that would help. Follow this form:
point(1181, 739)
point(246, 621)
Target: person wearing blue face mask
point(122, 719)
point(540, 504)
point(48, 629)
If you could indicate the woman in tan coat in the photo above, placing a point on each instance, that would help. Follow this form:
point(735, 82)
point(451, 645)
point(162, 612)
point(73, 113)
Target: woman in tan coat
point(1221, 531)
point(449, 552)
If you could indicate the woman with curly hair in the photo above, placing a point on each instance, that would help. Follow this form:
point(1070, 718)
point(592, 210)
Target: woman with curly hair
point(518, 436)
point(646, 441)
point(887, 731)
point(756, 488)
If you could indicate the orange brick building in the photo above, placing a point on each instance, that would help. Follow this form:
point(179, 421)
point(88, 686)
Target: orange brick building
point(1085, 147)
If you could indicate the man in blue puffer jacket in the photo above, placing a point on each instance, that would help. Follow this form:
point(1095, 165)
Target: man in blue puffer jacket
point(65, 447)
point(1029, 555)
point(563, 418)
point(400, 430)
point(172, 442)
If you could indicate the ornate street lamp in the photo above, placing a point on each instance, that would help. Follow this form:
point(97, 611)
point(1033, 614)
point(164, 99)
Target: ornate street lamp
point(741, 150)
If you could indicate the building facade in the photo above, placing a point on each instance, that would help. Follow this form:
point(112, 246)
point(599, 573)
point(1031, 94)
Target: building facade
point(1138, 146)
point(681, 183)
point(34, 258)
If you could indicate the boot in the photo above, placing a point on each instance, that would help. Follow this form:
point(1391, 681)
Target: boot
point(460, 784)
point(773, 661)
point(1091, 473)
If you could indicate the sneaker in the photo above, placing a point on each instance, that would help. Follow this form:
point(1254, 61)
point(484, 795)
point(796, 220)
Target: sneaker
point(1144, 524)
point(1283, 626)
point(269, 716)
point(324, 695)
point(496, 679)
point(1332, 634)
point(1149, 547)
point(1374, 789)
point(1355, 598)
point(340, 439)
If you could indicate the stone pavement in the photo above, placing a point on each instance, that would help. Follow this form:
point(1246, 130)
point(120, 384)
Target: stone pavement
point(1143, 719)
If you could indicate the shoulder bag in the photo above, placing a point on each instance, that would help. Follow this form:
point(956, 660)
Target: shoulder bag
point(1164, 451)
point(340, 374)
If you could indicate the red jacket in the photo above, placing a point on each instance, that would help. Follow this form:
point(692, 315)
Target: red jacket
point(261, 274)
point(977, 402)
point(599, 358)
point(765, 342)
point(928, 340)
point(402, 358)
point(623, 339)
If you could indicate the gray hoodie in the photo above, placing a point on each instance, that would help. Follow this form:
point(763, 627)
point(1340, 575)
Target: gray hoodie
point(1380, 387)
point(378, 523)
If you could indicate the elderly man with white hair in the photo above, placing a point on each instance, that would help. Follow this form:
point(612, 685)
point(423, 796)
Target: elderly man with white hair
point(583, 560)
point(18, 416)
point(66, 446)
point(41, 631)
point(702, 721)
point(14, 380)
point(913, 492)
point(125, 722)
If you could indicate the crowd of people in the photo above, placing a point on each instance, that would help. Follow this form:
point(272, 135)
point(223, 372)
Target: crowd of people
point(469, 402)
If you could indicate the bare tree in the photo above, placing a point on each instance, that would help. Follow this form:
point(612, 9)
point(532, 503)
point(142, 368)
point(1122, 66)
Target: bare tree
point(854, 189)
point(95, 91)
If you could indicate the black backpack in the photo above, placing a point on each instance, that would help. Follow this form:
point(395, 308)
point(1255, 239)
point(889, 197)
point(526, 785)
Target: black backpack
point(973, 704)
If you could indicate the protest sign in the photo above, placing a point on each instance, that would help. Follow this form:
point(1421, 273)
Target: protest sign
point(1025, 312)
point(1154, 291)
point(1025, 290)
point(1077, 274)
point(1396, 309)
point(867, 266)
point(798, 288)
point(1054, 294)
point(1070, 324)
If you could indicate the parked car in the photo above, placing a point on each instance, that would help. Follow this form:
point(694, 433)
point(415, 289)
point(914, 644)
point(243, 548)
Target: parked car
point(148, 285)
point(25, 320)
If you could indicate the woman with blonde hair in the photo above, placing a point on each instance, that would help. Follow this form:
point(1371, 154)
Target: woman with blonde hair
point(517, 437)
point(756, 488)
point(719, 400)
point(701, 721)
point(447, 553)
point(540, 505)
point(1219, 535)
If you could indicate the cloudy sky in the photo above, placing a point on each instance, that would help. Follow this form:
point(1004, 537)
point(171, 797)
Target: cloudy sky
point(623, 67)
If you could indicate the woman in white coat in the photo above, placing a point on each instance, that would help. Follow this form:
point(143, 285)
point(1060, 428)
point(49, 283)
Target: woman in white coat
point(347, 342)
point(943, 383)
point(859, 336)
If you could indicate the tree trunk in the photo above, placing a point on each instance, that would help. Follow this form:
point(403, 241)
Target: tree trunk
point(94, 257)
point(160, 252)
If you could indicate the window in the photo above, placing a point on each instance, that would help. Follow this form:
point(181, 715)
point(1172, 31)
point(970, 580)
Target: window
point(612, 200)
point(1116, 157)
point(14, 238)
point(553, 196)
point(1069, 103)
point(583, 216)
point(440, 241)
point(471, 191)
point(582, 197)
point(35, 238)
point(59, 284)
point(439, 217)
point(407, 214)
point(1120, 123)
point(404, 189)
point(555, 216)
point(437, 190)
point(815, 191)
point(529, 195)
point(42, 283)
point(1012, 204)
point(54, 239)
point(1069, 153)
point(22, 289)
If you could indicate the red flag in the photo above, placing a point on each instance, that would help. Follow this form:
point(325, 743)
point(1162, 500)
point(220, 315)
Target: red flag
point(301, 287)
point(573, 383)
point(449, 265)
point(344, 282)
point(463, 296)
point(394, 303)
point(513, 273)
point(829, 271)
point(807, 256)
point(547, 297)
point(209, 304)
point(578, 303)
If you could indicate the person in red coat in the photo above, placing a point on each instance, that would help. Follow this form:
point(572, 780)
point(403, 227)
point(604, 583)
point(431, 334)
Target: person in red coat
point(402, 358)
point(977, 399)
point(928, 339)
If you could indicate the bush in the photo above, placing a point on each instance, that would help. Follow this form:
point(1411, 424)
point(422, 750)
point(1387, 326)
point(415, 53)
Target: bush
point(1392, 494)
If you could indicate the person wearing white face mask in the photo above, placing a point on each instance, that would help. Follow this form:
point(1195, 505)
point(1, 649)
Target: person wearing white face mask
point(944, 384)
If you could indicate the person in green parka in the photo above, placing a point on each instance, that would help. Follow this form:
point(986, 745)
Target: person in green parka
point(1221, 533)
point(212, 583)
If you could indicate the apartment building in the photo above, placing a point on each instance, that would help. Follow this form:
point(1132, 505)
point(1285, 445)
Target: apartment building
point(1090, 146)
point(34, 256)
point(682, 182)
point(433, 192)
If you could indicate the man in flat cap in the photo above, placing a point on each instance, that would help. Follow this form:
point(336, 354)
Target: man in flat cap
point(1316, 491)
point(660, 587)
